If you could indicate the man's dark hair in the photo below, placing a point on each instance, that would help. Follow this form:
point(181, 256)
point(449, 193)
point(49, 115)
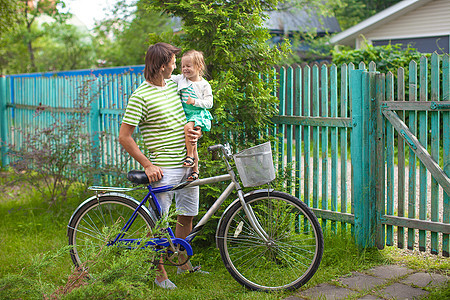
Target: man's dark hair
point(158, 55)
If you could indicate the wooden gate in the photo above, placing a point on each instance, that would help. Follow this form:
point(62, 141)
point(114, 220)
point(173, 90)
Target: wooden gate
point(332, 122)
point(418, 118)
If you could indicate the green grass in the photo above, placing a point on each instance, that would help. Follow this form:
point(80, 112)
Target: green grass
point(29, 228)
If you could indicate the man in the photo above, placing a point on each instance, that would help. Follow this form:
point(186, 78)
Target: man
point(156, 108)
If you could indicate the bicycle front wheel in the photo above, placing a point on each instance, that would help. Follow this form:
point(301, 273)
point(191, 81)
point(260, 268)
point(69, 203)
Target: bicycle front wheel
point(97, 222)
point(290, 256)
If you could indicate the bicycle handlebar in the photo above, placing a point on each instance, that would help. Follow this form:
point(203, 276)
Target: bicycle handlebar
point(225, 149)
point(215, 147)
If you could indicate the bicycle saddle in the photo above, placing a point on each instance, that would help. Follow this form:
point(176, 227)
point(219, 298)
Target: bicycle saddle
point(138, 177)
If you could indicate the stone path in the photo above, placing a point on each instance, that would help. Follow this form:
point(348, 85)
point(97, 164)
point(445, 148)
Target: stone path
point(383, 282)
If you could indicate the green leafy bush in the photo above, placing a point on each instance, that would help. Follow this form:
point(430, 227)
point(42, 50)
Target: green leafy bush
point(387, 58)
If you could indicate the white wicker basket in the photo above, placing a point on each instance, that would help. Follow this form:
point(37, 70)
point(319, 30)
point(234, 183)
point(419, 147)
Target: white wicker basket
point(255, 165)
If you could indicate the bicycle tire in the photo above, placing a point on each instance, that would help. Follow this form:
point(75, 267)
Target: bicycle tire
point(88, 227)
point(291, 256)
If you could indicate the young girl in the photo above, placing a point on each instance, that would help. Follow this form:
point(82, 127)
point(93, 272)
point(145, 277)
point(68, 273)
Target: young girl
point(196, 97)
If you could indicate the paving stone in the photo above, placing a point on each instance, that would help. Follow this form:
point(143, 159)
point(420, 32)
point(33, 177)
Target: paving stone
point(400, 291)
point(326, 291)
point(361, 281)
point(369, 297)
point(389, 271)
point(423, 279)
point(293, 298)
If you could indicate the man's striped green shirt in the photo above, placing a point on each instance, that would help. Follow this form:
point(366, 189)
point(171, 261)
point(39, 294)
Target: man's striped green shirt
point(160, 116)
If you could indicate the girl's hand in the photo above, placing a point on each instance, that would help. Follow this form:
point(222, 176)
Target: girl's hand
point(153, 173)
point(194, 134)
point(190, 101)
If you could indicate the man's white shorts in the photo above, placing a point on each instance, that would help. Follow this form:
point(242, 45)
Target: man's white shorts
point(186, 199)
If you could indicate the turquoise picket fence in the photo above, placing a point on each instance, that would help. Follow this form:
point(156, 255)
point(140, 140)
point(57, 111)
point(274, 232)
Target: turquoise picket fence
point(35, 101)
point(352, 140)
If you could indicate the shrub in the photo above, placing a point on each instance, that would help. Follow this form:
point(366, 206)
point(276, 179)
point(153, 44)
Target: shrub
point(387, 58)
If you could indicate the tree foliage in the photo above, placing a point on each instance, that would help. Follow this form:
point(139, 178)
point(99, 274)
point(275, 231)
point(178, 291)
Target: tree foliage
point(352, 12)
point(43, 40)
point(122, 38)
point(8, 16)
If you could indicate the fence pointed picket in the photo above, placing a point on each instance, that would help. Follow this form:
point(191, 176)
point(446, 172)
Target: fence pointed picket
point(334, 141)
point(422, 117)
point(401, 160)
point(343, 142)
point(307, 134)
point(434, 151)
point(446, 149)
point(289, 128)
point(390, 184)
point(379, 158)
point(281, 127)
point(412, 155)
point(324, 135)
point(298, 130)
point(315, 133)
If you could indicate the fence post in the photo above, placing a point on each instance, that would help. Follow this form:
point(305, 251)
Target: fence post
point(3, 120)
point(362, 133)
point(379, 162)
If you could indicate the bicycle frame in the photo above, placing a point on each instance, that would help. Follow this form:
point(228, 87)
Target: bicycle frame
point(156, 208)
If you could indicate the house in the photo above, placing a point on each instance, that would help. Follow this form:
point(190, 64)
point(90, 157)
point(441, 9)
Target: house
point(292, 23)
point(422, 24)
point(288, 22)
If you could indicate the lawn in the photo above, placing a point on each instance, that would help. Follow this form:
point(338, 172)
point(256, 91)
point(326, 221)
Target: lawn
point(35, 263)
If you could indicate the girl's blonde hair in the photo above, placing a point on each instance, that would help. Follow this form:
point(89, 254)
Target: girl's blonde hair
point(197, 60)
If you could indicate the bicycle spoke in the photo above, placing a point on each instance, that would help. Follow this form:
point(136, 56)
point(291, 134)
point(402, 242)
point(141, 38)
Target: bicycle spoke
point(96, 236)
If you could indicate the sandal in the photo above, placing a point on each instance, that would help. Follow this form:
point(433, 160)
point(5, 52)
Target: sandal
point(193, 176)
point(188, 161)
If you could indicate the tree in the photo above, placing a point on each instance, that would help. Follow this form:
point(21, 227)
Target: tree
point(352, 12)
point(29, 14)
point(64, 47)
point(239, 60)
point(42, 40)
point(122, 39)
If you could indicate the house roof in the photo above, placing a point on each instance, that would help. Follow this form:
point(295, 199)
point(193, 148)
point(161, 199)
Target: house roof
point(348, 36)
point(299, 20)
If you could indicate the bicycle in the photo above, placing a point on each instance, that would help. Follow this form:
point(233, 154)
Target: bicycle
point(268, 240)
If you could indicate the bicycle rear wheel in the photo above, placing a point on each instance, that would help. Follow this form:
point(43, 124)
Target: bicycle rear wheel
point(292, 253)
point(97, 222)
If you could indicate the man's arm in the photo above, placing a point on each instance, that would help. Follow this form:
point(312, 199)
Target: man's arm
point(153, 172)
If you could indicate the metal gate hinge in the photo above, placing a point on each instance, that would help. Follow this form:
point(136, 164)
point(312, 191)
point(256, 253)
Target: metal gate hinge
point(435, 105)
